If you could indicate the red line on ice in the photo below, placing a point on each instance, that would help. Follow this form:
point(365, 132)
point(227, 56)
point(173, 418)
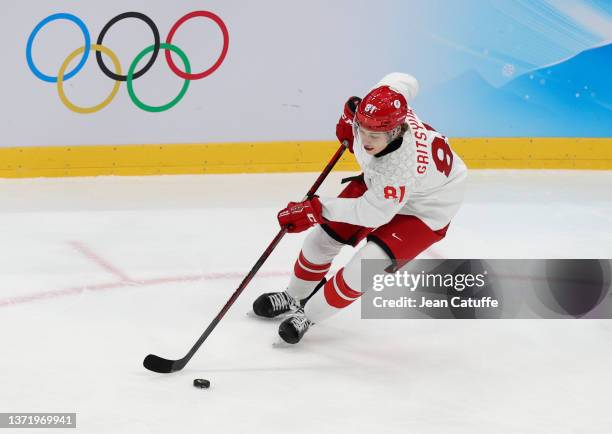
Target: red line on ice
point(44, 295)
point(103, 263)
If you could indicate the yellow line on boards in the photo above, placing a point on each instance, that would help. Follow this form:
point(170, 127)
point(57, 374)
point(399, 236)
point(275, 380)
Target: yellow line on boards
point(295, 156)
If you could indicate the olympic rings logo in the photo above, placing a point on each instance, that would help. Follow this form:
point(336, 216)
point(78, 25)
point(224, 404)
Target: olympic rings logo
point(132, 74)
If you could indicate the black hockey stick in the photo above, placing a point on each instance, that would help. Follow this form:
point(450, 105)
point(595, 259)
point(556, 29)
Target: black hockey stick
point(159, 364)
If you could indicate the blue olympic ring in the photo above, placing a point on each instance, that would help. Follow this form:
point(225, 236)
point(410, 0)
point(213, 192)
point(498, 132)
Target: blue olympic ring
point(39, 26)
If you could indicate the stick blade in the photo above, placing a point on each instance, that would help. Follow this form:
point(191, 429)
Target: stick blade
point(158, 364)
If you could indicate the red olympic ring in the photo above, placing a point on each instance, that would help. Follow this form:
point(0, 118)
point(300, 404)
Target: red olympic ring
point(219, 61)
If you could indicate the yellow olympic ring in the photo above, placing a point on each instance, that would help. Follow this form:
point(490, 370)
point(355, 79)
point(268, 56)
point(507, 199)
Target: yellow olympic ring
point(60, 80)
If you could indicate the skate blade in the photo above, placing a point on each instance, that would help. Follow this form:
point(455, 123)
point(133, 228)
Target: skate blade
point(281, 344)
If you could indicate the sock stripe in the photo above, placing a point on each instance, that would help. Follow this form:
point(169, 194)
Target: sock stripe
point(344, 288)
point(300, 273)
point(340, 294)
point(337, 293)
point(306, 270)
point(314, 267)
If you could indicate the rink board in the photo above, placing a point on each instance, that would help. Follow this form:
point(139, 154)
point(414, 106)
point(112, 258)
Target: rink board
point(294, 156)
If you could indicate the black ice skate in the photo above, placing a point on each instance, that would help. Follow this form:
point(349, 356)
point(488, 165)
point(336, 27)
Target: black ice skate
point(273, 304)
point(293, 328)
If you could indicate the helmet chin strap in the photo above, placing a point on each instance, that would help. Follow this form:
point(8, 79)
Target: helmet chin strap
point(393, 134)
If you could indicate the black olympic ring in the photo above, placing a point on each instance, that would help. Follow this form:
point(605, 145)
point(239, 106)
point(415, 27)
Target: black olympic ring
point(138, 74)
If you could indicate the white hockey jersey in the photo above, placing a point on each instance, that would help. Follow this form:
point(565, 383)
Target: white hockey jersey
point(423, 177)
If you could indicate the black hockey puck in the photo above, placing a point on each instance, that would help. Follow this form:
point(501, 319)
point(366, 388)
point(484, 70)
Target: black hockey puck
point(201, 383)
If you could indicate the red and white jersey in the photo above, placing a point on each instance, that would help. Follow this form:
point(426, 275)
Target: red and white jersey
point(423, 177)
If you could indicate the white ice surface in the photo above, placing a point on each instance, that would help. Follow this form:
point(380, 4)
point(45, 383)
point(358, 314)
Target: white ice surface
point(95, 273)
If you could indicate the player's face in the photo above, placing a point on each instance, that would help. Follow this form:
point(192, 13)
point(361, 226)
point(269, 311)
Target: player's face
point(373, 141)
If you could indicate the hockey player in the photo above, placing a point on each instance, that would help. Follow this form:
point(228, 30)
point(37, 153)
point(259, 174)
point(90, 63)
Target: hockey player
point(410, 189)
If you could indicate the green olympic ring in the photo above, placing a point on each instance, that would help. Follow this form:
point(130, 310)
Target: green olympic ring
point(130, 79)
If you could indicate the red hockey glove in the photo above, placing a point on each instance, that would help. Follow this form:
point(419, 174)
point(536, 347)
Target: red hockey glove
point(344, 127)
point(299, 216)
